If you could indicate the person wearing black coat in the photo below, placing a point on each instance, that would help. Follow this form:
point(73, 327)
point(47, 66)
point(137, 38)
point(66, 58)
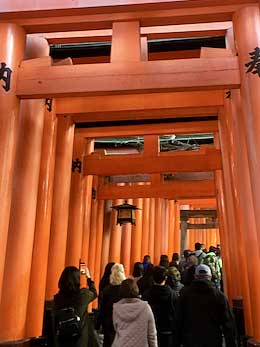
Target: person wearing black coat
point(71, 295)
point(109, 297)
point(162, 300)
point(203, 313)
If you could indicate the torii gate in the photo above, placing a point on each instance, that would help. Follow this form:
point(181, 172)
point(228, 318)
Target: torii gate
point(121, 89)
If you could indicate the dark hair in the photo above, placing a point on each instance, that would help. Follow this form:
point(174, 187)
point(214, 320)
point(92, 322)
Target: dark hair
point(159, 274)
point(138, 269)
point(186, 253)
point(128, 289)
point(175, 257)
point(69, 280)
point(105, 278)
point(197, 246)
point(147, 258)
point(164, 260)
point(212, 249)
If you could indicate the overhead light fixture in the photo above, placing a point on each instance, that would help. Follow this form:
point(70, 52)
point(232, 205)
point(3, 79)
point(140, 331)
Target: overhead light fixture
point(125, 213)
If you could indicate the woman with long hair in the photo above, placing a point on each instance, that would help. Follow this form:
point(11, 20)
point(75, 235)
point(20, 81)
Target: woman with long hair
point(109, 297)
point(73, 300)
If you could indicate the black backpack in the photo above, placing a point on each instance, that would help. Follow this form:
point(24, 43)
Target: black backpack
point(68, 324)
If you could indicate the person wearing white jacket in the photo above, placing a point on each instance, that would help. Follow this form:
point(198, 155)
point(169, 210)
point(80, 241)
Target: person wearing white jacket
point(133, 319)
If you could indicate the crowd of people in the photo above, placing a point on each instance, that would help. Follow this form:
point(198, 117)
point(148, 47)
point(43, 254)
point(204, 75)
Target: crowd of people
point(177, 303)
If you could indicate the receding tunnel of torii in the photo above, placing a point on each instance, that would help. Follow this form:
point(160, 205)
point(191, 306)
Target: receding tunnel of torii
point(151, 102)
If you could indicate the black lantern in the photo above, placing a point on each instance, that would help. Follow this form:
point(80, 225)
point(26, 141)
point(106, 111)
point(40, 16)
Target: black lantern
point(125, 213)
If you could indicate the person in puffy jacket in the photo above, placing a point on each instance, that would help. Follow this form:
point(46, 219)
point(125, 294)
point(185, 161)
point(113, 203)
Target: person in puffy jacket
point(133, 319)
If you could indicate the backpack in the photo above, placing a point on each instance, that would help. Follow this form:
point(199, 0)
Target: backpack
point(211, 261)
point(68, 324)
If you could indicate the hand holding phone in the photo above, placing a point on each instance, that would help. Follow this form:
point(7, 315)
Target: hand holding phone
point(87, 273)
point(82, 268)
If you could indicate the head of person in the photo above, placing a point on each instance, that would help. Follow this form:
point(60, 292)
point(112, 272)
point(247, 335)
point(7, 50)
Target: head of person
point(138, 269)
point(192, 260)
point(159, 275)
point(117, 275)
point(69, 281)
point(147, 259)
point(197, 246)
point(203, 272)
point(174, 273)
point(105, 278)
point(175, 257)
point(107, 270)
point(212, 249)
point(186, 253)
point(164, 260)
point(128, 289)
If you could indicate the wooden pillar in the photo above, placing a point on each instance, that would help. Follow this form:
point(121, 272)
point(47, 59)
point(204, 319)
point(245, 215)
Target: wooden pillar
point(76, 206)
point(60, 207)
point(100, 228)
point(177, 232)
point(164, 227)
point(42, 226)
point(145, 227)
point(229, 195)
point(228, 274)
point(136, 238)
point(171, 227)
point(106, 235)
point(152, 229)
point(126, 244)
point(233, 142)
point(246, 23)
point(87, 187)
point(12, 38)
point(249, 235)
point(157, 230)
point(93, 230)
point(115, 238)
point(184, 244)
point(23, 211)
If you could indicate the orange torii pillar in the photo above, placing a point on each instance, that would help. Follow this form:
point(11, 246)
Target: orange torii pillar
point(126, 244)
point(158, 230)
point(76, 206)
point(177, 232)
point(171, 227)
point(42, 226)
point(145, 227)
point(12, 38)
point(228, 274)
point(227, 132)
point(247, 219)
point(60, 207)
point(93, 230)
point(151, 229)
point(106, 235)
point(115, 236)
point(164, 227)
point(99, 240)
point(136, 237)
point(19, 249)
point(232, 212)
point(87, 188)
point(247, 37)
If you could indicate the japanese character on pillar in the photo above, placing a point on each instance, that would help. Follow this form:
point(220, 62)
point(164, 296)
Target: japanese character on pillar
point(5, 75)
point(76, 165)
point(254, 65)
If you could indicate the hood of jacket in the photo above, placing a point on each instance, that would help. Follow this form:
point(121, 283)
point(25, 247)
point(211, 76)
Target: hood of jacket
point(129, 309)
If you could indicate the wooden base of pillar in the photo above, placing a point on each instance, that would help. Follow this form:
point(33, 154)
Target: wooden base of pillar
point(252, 343)
point(18, 343)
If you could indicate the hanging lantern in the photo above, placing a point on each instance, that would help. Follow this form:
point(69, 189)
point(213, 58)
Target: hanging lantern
point(125, 213)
